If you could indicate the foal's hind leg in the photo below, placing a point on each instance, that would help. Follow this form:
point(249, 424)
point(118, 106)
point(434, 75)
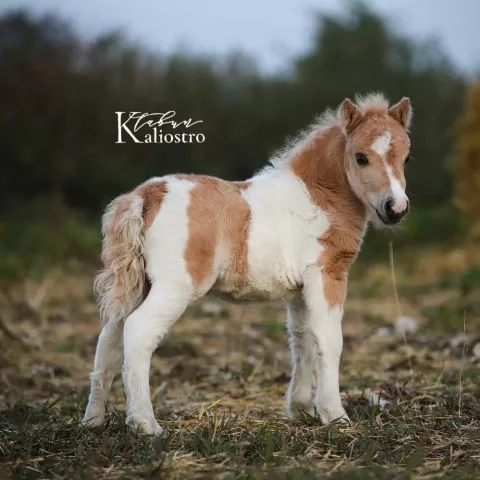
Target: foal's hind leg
point(108, 361)
point(144, 329)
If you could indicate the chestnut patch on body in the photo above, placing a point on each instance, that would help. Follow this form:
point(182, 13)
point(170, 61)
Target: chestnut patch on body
point(321, 168)
point(153, 193)
point(218, 224)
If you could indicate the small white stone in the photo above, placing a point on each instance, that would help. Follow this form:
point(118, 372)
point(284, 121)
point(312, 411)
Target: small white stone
point(406, 324)
point(384, 331)
point(459, 340)
point(476, 350)
point(211, 308)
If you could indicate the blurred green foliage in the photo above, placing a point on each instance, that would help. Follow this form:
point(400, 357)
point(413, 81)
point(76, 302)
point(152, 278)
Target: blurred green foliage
point(44, 233)
point(59, 95)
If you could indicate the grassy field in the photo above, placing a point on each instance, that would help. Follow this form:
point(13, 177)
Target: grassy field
point(219, 380)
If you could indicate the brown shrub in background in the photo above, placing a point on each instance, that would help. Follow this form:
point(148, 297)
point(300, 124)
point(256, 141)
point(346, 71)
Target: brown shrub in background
point(467, 184)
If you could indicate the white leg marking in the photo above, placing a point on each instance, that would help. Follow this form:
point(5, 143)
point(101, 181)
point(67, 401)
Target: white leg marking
point(108, 361)
point(143, 330)
point(325, 323)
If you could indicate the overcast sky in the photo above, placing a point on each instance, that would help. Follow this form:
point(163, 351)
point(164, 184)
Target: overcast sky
point(271, 30)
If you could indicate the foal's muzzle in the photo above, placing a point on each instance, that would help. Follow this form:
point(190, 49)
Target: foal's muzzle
point(391, 215)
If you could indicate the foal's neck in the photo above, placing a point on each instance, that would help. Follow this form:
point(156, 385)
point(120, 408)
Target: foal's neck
point(321, 166)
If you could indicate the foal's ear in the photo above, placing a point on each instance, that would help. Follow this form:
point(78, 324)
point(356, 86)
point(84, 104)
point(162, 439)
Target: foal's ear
point(402, 112)
point(350, 114)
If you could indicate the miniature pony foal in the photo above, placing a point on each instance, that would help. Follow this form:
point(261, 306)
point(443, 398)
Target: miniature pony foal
point(289, 233)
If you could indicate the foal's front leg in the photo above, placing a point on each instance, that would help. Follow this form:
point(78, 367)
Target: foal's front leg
point(302, 350)
point(322, 326)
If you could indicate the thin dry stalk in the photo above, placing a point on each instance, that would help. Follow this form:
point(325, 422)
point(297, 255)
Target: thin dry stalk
point(397, 302)
point(460, 388)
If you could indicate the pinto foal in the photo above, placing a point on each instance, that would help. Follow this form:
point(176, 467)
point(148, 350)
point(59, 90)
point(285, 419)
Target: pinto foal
point(289, 233)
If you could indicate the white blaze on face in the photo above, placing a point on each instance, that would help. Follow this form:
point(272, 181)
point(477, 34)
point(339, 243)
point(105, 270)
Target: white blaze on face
point(381, 146)
point(398, 194)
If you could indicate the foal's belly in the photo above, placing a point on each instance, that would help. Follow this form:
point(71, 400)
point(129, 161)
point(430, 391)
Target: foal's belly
point(258, 288)
point(253, 296)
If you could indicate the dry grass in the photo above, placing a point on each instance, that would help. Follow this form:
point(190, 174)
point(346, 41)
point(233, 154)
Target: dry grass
point(219, 380)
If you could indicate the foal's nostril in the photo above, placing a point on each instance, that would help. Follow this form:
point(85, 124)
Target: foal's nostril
point(389, 206)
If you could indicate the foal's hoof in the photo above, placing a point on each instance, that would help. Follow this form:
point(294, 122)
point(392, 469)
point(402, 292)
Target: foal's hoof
point(296, 410)
point(143, 426)
point(94, 418)
point(93, 422)
point(336, 415)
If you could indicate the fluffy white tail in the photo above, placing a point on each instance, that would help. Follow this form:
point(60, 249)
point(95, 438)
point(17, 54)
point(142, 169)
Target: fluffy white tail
point(120, 285)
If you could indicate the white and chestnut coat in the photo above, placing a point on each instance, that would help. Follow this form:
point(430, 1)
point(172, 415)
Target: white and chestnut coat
point(289, 233)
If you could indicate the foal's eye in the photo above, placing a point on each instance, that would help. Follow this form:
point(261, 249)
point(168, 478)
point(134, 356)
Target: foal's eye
point(361, 159)
point(407, 159)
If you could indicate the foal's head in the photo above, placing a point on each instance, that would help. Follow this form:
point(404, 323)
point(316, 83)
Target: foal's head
point(377, 149)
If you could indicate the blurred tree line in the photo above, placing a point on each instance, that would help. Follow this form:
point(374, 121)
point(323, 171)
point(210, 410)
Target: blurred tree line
point(58, 95)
